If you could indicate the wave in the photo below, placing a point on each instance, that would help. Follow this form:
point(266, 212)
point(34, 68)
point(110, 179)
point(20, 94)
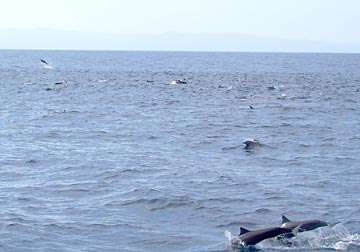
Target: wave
point(160, 203)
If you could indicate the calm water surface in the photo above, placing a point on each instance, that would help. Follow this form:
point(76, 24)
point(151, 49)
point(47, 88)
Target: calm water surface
point(99, 152)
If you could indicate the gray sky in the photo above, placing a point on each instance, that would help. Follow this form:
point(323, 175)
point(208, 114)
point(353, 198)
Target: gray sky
point(319, 20)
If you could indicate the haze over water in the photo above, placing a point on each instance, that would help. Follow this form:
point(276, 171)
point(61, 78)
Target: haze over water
point(99, 152)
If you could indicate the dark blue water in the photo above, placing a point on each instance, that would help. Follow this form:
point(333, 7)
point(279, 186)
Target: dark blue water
point(99, 152)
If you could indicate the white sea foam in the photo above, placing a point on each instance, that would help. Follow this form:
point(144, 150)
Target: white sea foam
point(337, 238)
point(48, 67)
point(234, 241)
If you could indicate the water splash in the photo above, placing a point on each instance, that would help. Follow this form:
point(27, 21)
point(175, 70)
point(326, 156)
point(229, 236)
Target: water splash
point(48, 67)
point(234, 241)
point(336, 238)
point(348, 240)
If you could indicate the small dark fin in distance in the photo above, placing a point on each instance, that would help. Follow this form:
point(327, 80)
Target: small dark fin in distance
point(43, 61)
point(285, 219)
point(243, 230)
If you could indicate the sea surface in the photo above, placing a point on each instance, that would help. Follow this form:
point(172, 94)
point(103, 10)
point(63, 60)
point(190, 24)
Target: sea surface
point(101, 151)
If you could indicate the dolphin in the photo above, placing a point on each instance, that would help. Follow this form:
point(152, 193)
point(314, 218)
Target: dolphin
point(305, 225)
point(43, 61)
point(182, 81)
point(254, 237)
point(251, 144)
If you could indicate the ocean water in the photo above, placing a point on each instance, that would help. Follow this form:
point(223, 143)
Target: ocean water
point(99, 152)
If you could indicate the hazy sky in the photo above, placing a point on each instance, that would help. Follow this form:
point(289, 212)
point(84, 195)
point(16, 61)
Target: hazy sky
point(324, 20)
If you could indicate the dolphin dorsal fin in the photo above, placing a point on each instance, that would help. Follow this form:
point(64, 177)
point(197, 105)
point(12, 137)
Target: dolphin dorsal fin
point(243, 230)
point(285, 219)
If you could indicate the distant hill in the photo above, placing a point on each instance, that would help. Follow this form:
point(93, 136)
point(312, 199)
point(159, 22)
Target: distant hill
point(69, 40)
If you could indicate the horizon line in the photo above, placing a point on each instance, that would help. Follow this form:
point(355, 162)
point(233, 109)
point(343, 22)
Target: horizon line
point(176, 51)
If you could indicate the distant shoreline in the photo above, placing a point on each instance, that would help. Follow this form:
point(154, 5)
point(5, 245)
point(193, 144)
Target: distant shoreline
point(170, 51)
point(42, 39)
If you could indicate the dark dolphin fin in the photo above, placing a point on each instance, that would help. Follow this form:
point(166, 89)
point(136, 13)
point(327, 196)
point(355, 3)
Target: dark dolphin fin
point(285, 219)
point(243, 231)
point(43, 61)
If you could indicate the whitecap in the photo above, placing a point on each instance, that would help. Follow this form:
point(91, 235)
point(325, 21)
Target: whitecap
point(48, 67)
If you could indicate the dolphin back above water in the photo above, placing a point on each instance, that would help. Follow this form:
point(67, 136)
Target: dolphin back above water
point(254, 237)
point(251, 144)
point(43, 61)
point(305, 225)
